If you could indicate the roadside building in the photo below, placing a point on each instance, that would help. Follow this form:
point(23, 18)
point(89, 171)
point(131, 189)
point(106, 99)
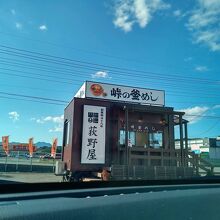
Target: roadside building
point(214, 148)
point(204, 146)
point(127, 130)
point(196, 145)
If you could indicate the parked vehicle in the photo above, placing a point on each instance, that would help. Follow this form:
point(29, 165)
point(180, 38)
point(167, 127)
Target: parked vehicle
point(3, 155)
point(49, 157)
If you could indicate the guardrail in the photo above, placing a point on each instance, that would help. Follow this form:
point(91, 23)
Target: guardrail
point(21, 161)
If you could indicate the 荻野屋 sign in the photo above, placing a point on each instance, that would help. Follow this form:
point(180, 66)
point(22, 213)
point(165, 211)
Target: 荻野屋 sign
point(93, 137)
point(121, 93)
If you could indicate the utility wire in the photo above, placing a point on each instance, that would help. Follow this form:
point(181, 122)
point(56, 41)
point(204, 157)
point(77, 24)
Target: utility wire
point(126, 73)
point(210, 128)
point(33, 77)
point(81, 50)
point(77, 75)
point(67, 61)
point(64, 101)
point(82, 72)
point(33, 97)
point(38, 74)
point(29, 100)
point(35, 88)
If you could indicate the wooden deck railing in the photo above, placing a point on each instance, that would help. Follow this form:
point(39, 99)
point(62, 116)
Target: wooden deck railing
point(155, 157)
point(201, 165)
point(168, 157)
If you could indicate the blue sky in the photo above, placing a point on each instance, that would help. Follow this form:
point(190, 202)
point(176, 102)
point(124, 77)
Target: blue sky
point(174, 44)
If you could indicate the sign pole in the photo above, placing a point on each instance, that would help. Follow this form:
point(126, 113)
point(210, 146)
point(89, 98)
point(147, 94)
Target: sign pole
point(31, 163)
point(53, 165)
point(126, 135)
point(31, 149)
point(6, 160)
point(53, 151)
point(5, 145)
point(17, 161)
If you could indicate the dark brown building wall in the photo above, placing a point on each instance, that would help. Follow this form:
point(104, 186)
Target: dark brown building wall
point(115, 117)
point(67, 148)
point(74, 150)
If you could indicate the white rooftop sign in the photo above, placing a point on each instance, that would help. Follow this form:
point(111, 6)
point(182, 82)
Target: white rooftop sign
point(106, 91)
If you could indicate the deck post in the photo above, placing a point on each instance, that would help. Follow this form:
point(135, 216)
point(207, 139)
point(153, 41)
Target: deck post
point(126, 136)
point(181, 138)
point(186, 142)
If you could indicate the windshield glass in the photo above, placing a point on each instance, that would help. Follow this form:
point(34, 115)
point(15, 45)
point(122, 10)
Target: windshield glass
point(109, 90)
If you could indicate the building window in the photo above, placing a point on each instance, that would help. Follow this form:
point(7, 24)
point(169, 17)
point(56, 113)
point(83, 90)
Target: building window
point(142, 139)
point(156, 139)
point(131, 138)
point(66, 133)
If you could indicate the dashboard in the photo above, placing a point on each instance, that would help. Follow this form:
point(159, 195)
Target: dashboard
point(142, 202)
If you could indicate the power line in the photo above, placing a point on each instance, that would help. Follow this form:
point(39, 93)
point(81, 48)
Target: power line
point(83, 50)
point(18, 75)
point(72, 74)
point(210, 128)
point(80, 81)
point(51, 71)
point(64, 101)
point(33, 77)
point(28, 100)
point(56, 59)
point(38, 74)
point(33, 88)
point(90, 66)
point(36, 65)
point(203, 116)
point(192, 95)
point(33, 97)
point(79, 49)
point(42, 75)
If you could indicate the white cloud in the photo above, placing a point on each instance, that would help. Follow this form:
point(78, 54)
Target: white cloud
point(216, 107)
point(58, 128)
point(201, 68)
point(129, 12)
point(180, 14)
point(18, 25)
point(57, 120)
point(54, 119)
point(188, 59)
point(177, 13)
point(100, 74)
point(13, 12)
point(191, 113)
point(43, 27)
point(14, 116)
point(204, 23)
point(39, 121)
